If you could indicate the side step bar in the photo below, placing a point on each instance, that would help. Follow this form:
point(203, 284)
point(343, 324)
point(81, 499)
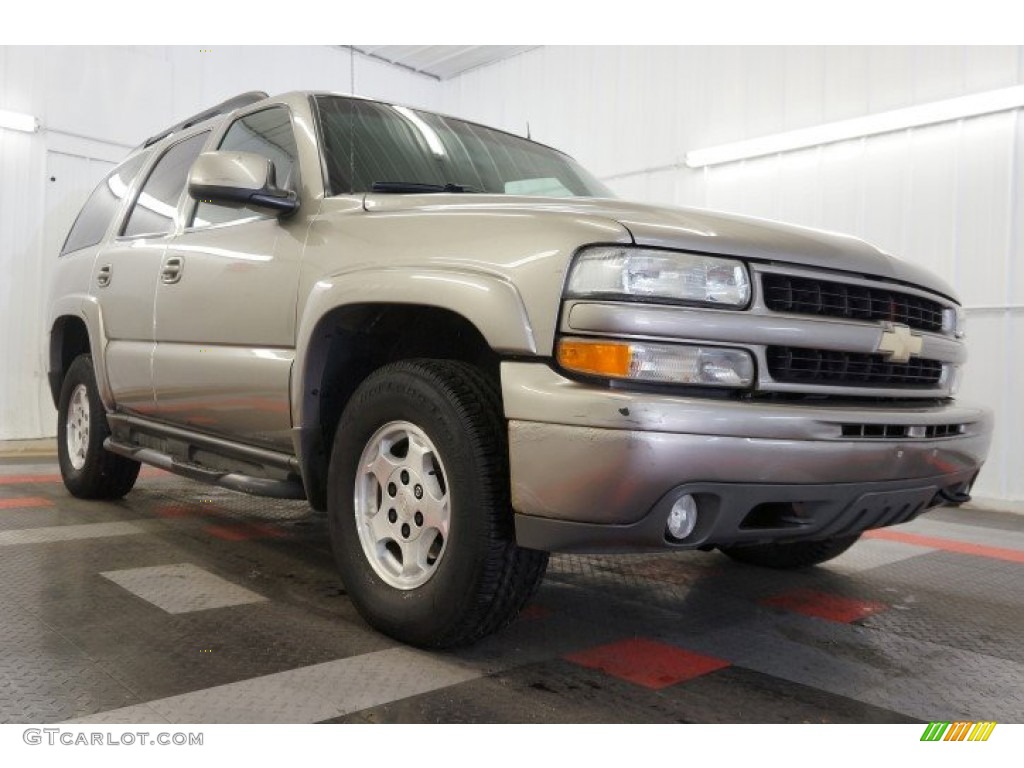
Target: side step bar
point(122, 424)
point(258, 486)
point(124, 442)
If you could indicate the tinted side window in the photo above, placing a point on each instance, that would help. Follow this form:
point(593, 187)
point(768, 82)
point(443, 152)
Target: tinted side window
point(267, 133)
point(102, 205)
point(154, 208)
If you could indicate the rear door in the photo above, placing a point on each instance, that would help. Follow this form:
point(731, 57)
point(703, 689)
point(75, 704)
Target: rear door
point(225, 304)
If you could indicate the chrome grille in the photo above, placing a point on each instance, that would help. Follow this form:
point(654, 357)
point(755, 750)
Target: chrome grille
point(811, 296)
point(850, 369)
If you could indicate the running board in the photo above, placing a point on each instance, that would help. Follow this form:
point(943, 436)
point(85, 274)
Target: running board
point(257, 486)
point(124, 427)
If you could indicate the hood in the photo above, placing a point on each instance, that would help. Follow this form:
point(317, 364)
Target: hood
point(698, 230)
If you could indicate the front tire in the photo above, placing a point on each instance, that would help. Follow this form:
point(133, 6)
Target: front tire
point(88, 469)
point(794, 555)
point(419, 510)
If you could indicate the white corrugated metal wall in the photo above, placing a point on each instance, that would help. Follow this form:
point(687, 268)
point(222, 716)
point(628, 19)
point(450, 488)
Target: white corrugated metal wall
point(949, 197)
point(94, 104)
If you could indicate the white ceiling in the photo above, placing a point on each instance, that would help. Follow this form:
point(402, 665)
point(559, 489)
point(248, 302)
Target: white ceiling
point(441, 61)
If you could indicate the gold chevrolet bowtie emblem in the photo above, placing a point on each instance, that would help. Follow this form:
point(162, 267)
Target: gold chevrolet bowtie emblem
point(899, 343)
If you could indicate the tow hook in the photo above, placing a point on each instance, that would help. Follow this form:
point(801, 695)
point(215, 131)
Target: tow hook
point(956, 494)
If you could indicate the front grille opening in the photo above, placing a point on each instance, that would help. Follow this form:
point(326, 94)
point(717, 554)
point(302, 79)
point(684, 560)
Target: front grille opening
point(849, 398)
point(902, 431)
point(850, 369)
point(810, 296)
point(944, 430)
point(874, 430)
point(775, 514)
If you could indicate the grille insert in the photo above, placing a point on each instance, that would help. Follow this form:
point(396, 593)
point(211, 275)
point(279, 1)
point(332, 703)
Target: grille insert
point(897, 431)
point(850, 369)
point(810, 296)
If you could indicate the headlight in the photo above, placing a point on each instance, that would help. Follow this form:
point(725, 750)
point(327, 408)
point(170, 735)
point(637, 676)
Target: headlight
point(639, 273)
point(665, 363)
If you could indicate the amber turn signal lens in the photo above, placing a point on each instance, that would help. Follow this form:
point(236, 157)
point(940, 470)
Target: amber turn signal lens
point(659, 363)
point(597, 358)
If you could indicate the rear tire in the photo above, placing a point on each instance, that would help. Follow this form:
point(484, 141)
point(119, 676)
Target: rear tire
point(424, 540)
point(88, 469)
point(797, 554)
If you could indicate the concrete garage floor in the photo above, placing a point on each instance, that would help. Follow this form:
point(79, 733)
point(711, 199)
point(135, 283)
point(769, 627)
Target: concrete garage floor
point(184, 603)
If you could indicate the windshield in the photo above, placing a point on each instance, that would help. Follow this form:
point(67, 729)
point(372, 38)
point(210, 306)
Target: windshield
point(374, 147)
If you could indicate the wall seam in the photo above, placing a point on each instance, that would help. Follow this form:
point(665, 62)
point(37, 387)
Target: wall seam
point(1011, 403)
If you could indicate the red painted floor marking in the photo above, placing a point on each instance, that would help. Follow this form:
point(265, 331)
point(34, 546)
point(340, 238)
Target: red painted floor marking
point(825, 606)
point(950, 545)
point(243, 531)
point(26, 479)
point(31, 501)
point(647, 662)
point(147, 472)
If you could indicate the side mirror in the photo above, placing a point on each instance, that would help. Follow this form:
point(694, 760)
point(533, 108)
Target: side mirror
point(239, 179)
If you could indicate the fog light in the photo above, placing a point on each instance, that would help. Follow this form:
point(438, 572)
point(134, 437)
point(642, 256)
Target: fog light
point(682, 517)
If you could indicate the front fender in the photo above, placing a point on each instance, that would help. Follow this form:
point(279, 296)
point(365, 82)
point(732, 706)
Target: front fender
point(493, 305)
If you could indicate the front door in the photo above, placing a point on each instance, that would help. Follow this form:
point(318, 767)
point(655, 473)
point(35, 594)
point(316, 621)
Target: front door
point(225, 305)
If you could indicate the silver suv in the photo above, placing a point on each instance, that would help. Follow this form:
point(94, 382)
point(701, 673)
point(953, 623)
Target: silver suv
point(469, 353)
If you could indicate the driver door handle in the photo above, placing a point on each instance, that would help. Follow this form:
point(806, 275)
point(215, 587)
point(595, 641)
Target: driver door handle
point(170, 272)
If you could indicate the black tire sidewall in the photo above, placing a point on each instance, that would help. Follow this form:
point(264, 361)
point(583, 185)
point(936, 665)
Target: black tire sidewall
point(80, 481)
point(418, 616)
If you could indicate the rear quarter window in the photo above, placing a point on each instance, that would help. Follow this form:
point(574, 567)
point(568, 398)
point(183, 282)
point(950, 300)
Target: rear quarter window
point(102, 206)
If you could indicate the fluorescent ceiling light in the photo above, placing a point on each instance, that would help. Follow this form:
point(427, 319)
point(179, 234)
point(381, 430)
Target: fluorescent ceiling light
point(18, 122)
point(869, 125)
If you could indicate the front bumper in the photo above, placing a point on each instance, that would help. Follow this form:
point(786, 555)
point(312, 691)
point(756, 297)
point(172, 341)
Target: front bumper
point(594, 468)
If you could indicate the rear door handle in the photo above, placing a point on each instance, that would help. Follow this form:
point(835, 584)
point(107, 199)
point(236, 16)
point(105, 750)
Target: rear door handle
point(171, 271)
point(104, 275)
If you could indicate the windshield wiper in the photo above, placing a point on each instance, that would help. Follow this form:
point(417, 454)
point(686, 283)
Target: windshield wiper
point(414, 187)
